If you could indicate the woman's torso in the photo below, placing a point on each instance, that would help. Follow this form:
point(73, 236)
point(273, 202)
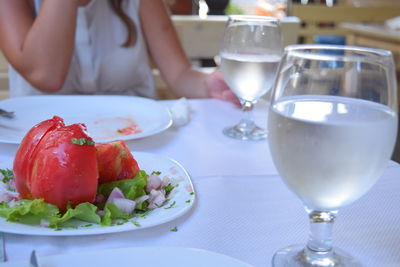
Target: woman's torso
point(99, 64)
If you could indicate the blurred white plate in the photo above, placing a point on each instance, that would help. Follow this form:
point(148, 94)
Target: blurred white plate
point(183, 198)
point(103, 115)
point(139, 256)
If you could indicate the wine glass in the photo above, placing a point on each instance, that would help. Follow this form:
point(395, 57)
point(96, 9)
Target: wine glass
point(332, 128)
point(250, 53)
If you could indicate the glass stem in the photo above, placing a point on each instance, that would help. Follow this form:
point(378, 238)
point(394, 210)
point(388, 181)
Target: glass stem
point(247, 122)
point(319, 245)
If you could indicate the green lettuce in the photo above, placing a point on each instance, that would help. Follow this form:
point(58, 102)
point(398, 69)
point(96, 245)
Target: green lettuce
point(111, 213)
point(84, 212)
point(29, 211)
point(37, 211)
point(131, 188)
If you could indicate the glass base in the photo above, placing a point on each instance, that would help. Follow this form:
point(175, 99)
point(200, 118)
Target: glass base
point(255, 134)
point(296, 256)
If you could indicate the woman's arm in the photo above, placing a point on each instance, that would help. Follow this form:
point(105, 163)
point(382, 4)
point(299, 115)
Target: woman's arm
point(39, 48)
point(167, 53)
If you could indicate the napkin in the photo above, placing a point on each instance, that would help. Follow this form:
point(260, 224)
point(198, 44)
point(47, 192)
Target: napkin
point(393, 23)
point(180, 112)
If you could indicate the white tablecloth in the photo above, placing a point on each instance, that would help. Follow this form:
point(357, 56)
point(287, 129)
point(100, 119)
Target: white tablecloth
point(243, 210)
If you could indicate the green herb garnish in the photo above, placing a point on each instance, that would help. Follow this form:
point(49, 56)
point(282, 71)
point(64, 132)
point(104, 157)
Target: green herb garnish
point(82, 141)
point(168, 188)
point(8, 175)
point(144, 213)
point(175, 229)
point(135, 223)
point(170, 206)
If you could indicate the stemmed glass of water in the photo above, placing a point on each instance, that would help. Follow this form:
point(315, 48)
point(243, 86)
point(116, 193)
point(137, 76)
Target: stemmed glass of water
point(332, 128)
point(250, 53)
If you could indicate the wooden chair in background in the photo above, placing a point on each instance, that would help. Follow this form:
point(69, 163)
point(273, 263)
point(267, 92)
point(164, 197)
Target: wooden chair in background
point(324, 20)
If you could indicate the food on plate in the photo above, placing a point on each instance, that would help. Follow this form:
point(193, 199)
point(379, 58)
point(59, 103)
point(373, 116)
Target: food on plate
point(46, 165)
point(131, 129)
point(59, 174)
point(115, 162)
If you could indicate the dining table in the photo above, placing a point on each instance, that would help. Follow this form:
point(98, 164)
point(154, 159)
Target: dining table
point(242, 208)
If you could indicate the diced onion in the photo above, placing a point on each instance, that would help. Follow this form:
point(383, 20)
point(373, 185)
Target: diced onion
point(117, 198)
point(115, 193)
point(141, 199)
point(157, 199)
point(153, 183)
point(125, 205)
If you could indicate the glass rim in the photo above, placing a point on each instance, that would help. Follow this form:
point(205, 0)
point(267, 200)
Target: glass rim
point(300, 50)
point(252, 18)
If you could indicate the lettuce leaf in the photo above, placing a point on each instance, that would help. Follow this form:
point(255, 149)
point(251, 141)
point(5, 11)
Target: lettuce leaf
point(29, 211)
point(132, 188)
point(84, 212)
point(111, 212)
point(37, 211)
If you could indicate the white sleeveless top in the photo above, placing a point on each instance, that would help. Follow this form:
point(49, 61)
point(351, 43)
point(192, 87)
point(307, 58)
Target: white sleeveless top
point(99, 64)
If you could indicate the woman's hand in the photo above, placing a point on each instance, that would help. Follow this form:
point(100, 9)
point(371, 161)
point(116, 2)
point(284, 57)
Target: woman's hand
point(217, 88)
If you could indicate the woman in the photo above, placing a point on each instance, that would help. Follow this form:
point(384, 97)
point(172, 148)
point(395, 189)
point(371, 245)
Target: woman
point(97, 47)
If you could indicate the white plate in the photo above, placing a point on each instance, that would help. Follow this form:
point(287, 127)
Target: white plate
point(103, 115)
point(139, 256)
point(183, 199)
